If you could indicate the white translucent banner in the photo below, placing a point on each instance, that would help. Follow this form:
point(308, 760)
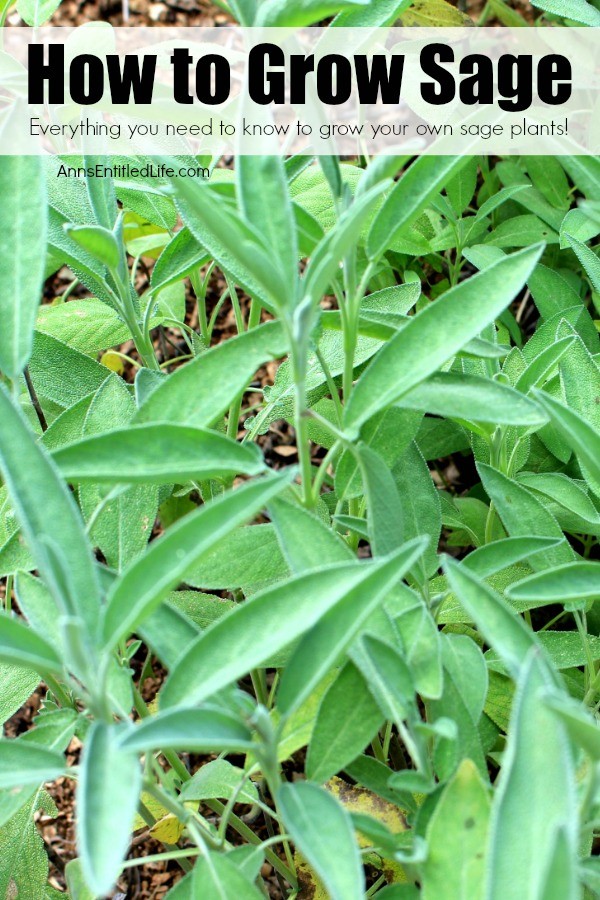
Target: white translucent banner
point(181, 91)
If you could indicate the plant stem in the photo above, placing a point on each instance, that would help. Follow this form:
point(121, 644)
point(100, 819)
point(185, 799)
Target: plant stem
point(298, 360)
point(244, 831)
point(234, 821)
point(59, 692)
point(260, 686)
point(34, 399)
point(8, 593)
point(162, 857)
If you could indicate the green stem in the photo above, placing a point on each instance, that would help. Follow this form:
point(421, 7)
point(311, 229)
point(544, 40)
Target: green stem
point(161, 857)
point(237, 310)
point(590, 668)
point(489, 523)
point(150, 821)
point(350, 340)
point(233, 419)
point(8, 593)
point(59, 692)
point(244, 831)
point(200, 288)
point(322, 470)
point(333, 390)
point(378, 749)
point(234, 821)
point(255, 312)
point(260, 686)
point(140, 336)
point(301, 425)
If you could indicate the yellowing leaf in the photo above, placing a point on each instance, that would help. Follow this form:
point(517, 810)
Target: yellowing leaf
point(434, 14)
point(156, 809)
point(360, 800)
point(113, 361)
point(308, 883)
point(168, 830)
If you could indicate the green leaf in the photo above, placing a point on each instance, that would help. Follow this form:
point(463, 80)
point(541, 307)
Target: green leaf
point(23, 763)
point(24, 869)
point(269, 621)
point(220, 780)
point(492, 558)
point(248, 558)
point(444, 327)
point(461, 702)
point(62, 374)
point(577, 225)
point(279, 13)
point(409, 197)
point(552, 293)
point(421, 647)
point(323, 645)
point(322, 830)
point(387, 676)
point(24, 223)
point(16, 685)
point(36, 12)
point(182, 256)
point(500, 626)
point(542, 366)
point(347, 721)
point(207, 730)
point(199, 393)
point(457, 838)
point(588, 259)
point(566, 498)
point(156, 454)
point(585, 172)
point(266, 205)
point(419, 507)
point(120, 525)
point(110, 779)
point(522, 515)
point(434, 14)
point(471, 397)
point(217, 877)
point(54, 529)
point(99, 241)
point(575, 10)
point(385, 12)
point(562, 584)
point(461, 188)
point(579, 434)
point(78, 889)
point(88, 325)
point(388, 434)
point(305, 540)
point(535, 797)
point(166, 631)
point(580, 726)
point(498, 198)
point(22, 646)
point(233, 243)
point(145, 582)
point(521, 231)
point(386, 525)
point(324, 263)
point(549, 178)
